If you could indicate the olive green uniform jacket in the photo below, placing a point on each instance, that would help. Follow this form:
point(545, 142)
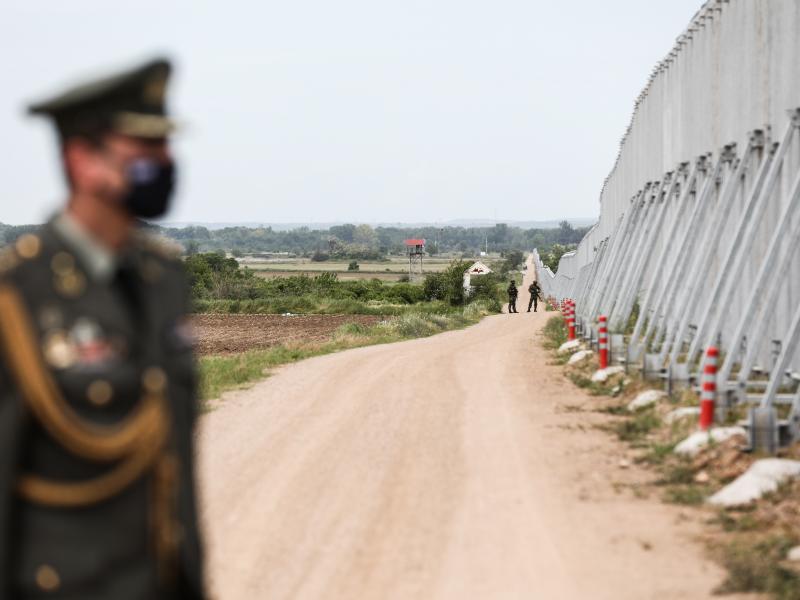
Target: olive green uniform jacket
point(97, 407)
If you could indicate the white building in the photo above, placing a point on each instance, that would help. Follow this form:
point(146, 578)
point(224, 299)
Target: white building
point(477, 269)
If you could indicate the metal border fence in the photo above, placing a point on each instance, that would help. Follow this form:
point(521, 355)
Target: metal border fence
point(698, 241)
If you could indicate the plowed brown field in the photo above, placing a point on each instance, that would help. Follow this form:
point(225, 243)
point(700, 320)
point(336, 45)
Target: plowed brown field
point(228, 334)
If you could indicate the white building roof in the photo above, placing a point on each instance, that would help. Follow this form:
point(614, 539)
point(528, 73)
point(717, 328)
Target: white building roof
point(478, 269)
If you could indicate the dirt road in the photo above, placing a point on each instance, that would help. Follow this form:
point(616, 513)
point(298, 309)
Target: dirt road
point(453, 467)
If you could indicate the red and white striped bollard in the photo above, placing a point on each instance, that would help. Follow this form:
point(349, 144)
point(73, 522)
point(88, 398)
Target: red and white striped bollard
point(708, 392)
point(571, 318)
point(602, 342)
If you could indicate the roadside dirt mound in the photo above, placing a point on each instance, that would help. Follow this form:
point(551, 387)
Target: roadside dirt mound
point(229, 334)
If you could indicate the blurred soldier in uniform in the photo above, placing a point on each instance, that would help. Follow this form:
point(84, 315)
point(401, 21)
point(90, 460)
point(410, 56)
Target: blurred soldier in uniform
point(512, 297)
point(97, 382)
point(535, 291)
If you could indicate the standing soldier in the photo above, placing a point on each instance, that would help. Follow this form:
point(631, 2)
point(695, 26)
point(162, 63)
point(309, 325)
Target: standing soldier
point(97, 382)
point(535, 291)
point(512, 297)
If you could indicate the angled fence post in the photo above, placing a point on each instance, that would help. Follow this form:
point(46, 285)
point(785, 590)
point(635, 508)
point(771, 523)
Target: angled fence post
point(709, 326)
point(684, 244)
point(620, 241)
point(613, 289)
point(655, 208)
point(621, 312)
point(701, 166)
point(767, 265)
point(711, 299)
point(682, 295)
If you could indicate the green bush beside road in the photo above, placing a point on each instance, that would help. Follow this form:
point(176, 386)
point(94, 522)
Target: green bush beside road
point(219, 285)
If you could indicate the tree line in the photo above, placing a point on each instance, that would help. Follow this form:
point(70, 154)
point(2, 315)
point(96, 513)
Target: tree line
point(368, 243)
point(361, 242)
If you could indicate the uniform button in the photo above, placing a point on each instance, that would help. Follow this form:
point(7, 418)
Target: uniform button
point(58, 350)
point(99, 392)
point(50, 317)
point(62, 264)
point(70, 285)
point(47, 578)
point(154, 380)
point(28, 245)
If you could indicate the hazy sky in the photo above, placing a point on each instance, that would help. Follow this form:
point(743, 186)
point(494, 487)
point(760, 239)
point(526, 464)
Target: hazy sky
point(350, 110)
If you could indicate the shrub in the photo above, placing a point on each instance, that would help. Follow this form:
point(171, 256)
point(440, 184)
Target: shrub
point(487, 287)
point(448, 285)
point(353, 329)
point(412, 325)
point(757, 566)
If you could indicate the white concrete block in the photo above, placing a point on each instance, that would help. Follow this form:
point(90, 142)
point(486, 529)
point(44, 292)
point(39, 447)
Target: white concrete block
point(579, 356)
point(684, 412)
point(700, 439)
point(603, 374)
point(646, 398)
point(569, 347)
point(762, 477)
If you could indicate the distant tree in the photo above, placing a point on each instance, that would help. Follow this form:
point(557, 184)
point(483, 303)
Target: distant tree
point(554, 254)
point(513, 260)
point(365, 235)
point(192, 247)
point(343, 232)
point(499, 234)
point(566, 233)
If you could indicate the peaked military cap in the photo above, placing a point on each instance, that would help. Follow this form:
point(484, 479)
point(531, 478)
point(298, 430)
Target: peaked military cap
point(131, 102)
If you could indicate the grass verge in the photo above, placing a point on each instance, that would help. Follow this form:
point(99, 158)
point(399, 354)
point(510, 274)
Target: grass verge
point(554, 332)
point(756, 564)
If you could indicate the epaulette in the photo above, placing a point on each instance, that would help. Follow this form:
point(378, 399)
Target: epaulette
point(163, 247)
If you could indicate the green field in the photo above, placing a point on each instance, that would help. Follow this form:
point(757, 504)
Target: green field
point(391, 269)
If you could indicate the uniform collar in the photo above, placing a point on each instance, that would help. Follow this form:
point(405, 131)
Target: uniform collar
point(99, 262)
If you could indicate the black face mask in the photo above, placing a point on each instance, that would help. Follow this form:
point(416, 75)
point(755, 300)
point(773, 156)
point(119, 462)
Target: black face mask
point(150, 188)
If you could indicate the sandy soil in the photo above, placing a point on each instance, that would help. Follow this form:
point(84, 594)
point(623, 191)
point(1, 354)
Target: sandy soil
point(452, 467)
point(226, 334)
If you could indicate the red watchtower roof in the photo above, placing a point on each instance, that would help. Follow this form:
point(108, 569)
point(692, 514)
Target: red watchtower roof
point(414, 242)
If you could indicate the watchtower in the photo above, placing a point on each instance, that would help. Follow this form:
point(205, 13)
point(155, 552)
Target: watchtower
point(416, 250)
